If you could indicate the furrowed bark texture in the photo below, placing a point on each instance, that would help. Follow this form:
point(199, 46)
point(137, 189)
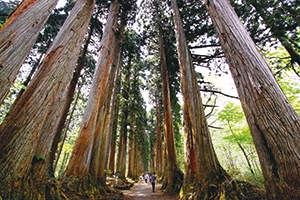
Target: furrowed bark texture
point(208, 169)
point(35, 117)
point(172, 167)
point(99, 147)
point(190, 167)
point(17, 37)
point(273, 123)
point(114, 129)
point(80, 161)
point(121, 159)
point(115, 89)
point(159, 140)
point(70, 38)
point(111, 139)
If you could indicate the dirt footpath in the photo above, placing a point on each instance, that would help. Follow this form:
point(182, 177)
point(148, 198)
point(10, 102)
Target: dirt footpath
point(143, 191)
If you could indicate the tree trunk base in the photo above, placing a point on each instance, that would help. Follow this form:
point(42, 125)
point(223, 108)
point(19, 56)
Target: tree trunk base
point(229, 189)
point(82, 188)
point(175, 185)
point(27, 188)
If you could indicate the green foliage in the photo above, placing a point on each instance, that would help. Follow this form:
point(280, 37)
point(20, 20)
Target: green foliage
point(291, 88)
point(283, 69)
point(279, 61)
point(233, 119)
point(243, 136)
point(5, 9)
point(236, 150)
point(107, 171)
point(257, 179)
point(38, 158)
point(14, 90)
point(232, 113)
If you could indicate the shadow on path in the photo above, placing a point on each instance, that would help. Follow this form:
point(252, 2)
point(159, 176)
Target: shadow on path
point(143, 191)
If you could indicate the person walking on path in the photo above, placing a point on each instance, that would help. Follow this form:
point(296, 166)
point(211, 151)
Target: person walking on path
point(152, 180)
point(146, 178)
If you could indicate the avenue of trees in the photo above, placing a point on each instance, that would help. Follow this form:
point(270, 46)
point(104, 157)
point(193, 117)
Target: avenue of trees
point(73, 81)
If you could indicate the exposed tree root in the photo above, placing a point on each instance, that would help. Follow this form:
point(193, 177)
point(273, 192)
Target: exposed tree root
point(28, 188)
point(235, 190)
point(83, 188)
point(176, 184)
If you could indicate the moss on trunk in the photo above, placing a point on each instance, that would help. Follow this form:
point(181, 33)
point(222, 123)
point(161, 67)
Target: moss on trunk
point(228, 189)
point(176, 184)
point(85, 188)
point(28, 188)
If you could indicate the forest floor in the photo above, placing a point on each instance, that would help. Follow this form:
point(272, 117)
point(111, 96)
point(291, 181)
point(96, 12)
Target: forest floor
point(143, 191)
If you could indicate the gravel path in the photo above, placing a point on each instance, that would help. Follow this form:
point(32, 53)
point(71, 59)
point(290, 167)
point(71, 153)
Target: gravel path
point(143, 191)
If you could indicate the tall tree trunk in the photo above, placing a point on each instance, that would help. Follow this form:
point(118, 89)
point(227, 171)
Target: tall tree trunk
point(211, 179)
point(67, 125)
point(29, 140)
point(73, 84)
point(273, 123)
point(80, 163)
point(53, 131)
point(99, 150)
point(132, 141)
point(80, 159)
point(25, 23)
point(131, 153)
point(115, 88)
point(190, 166)
point(114, 127)
point(173, 172)
point(111, 133)
point(137, 156)
point(133, 145)
point(121, 159)
point(159, 140)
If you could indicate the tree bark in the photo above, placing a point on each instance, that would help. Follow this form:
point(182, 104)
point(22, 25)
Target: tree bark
point(29, 139)
point(17, 36)
point(65, 132)
point(121, 159)
point(53, 129)
point(173, 172)
point(159, 140)
point(80, 166)
point(111, 140)
point(209, 173)
point(131, 153)
point(114, 127)
point(273, 122)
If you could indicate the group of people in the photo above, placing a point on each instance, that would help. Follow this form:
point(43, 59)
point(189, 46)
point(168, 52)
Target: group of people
point(152, 179)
